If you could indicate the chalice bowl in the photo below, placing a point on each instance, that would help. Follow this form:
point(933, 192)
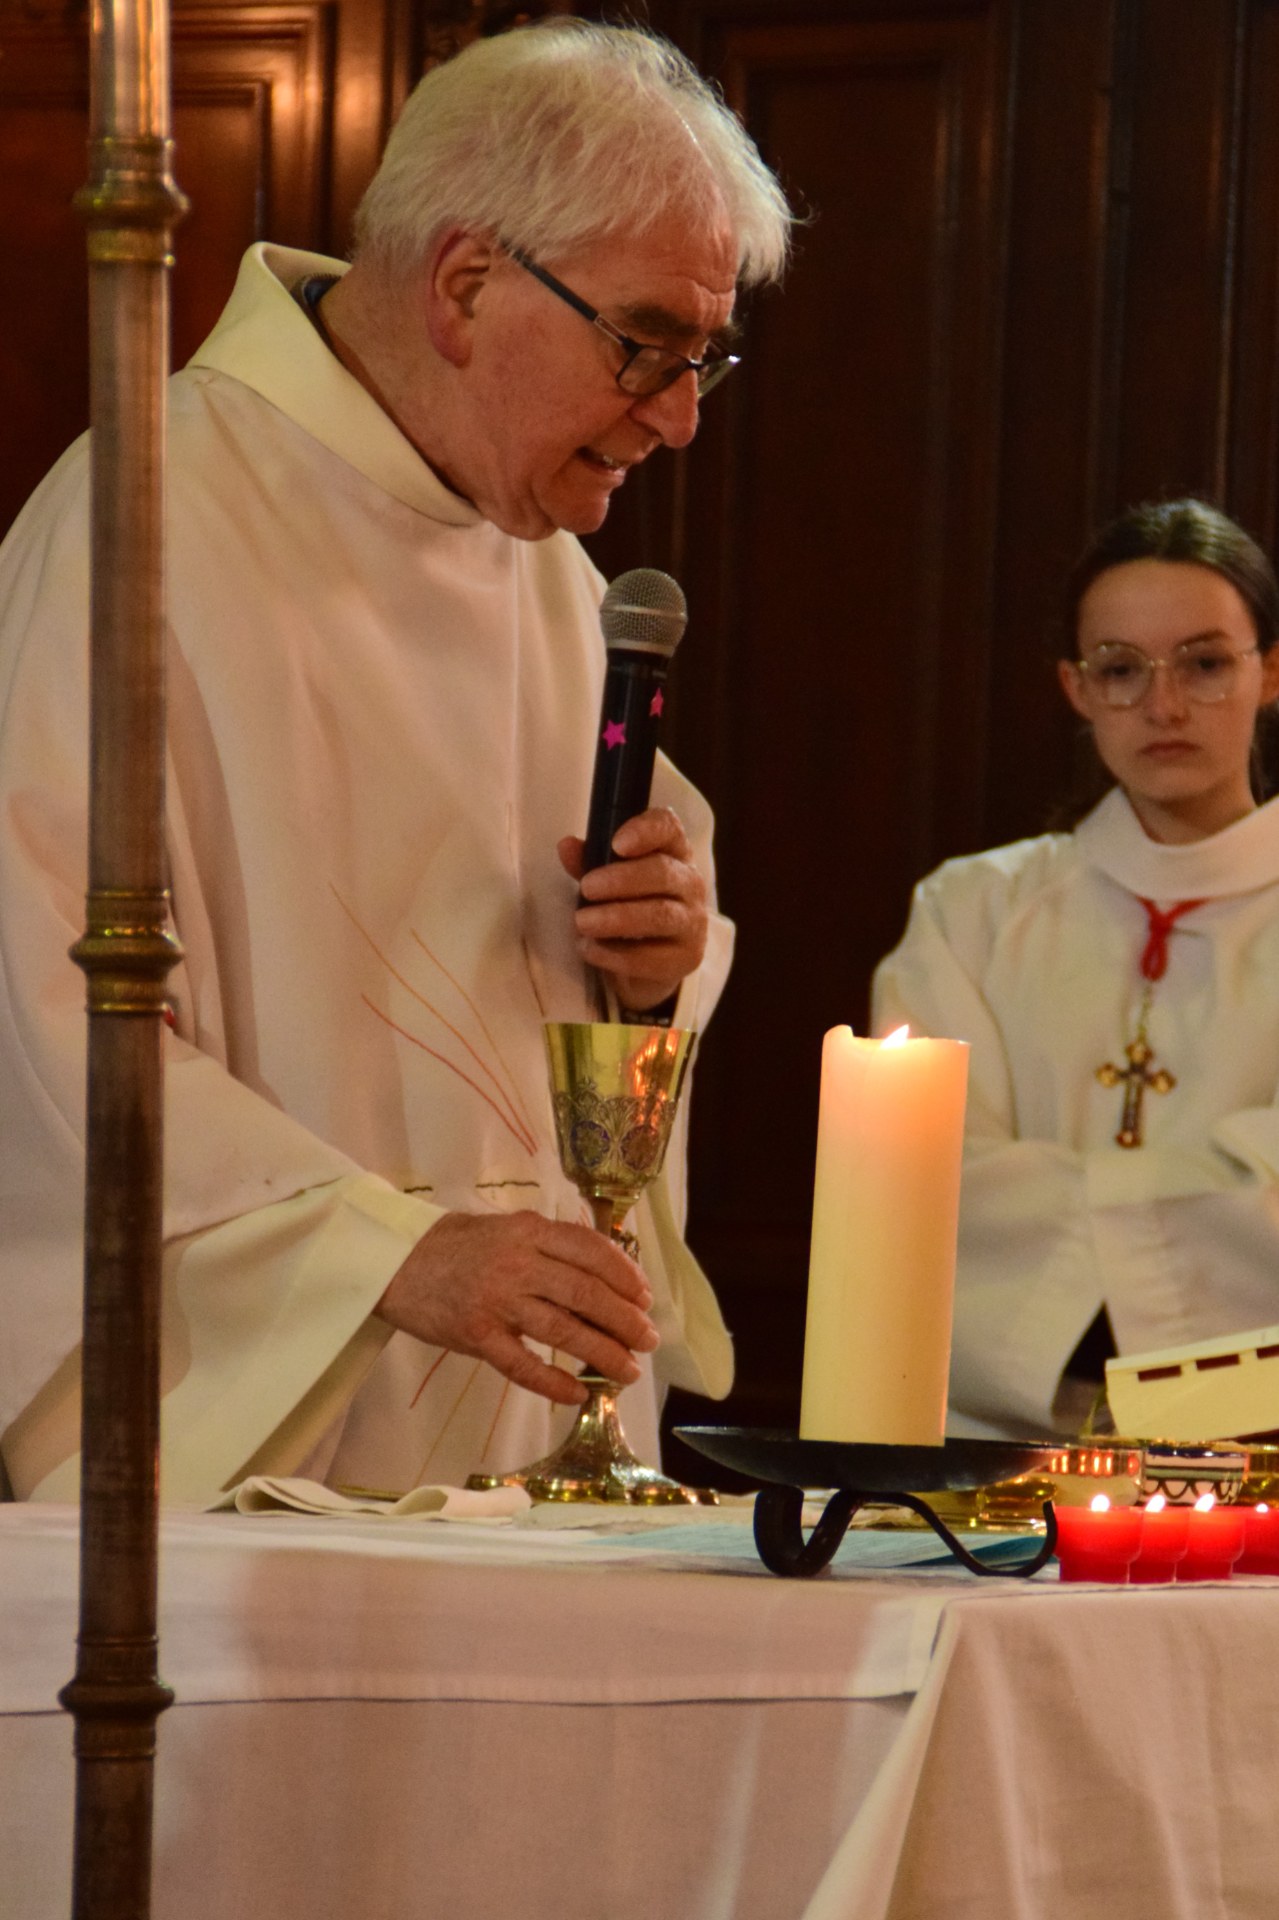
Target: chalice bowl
point(615, 1091)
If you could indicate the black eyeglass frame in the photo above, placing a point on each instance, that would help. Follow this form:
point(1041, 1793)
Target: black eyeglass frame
point(664, 365)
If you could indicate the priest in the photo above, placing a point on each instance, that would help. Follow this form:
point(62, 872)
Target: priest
point(384, 671)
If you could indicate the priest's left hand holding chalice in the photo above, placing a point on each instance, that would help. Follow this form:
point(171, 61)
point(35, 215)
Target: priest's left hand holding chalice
point(384, 677)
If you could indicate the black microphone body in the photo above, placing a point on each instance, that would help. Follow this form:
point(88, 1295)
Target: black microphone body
point(642, 617)
point(625, 749)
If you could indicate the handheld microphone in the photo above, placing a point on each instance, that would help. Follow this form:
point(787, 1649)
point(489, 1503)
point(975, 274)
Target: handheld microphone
point(643, 616)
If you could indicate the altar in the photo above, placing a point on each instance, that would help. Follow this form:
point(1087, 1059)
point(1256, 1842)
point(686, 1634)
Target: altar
point(463, 1721)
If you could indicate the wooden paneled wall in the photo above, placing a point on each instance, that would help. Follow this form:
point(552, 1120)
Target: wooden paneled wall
point(1039, 279)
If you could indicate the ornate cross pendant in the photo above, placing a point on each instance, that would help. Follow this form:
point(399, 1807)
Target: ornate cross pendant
point(1135, 1078)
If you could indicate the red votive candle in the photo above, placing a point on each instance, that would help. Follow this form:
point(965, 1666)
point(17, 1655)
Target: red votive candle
point(1165, 1534)
point(1214, 1543)
point(1260, 1541)
point(1098, 1541)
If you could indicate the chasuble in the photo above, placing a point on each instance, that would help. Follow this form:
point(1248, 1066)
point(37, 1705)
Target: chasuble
point(381, 720)
point(1033, 954)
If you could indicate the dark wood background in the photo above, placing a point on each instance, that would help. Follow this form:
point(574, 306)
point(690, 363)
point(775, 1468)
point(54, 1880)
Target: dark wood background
point(1039, 279)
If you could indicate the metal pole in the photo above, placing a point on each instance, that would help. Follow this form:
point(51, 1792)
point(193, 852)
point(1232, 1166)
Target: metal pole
point(130, 206)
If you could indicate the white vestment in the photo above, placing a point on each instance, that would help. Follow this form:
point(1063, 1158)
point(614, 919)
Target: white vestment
point(381, 719)
point(1032, 954)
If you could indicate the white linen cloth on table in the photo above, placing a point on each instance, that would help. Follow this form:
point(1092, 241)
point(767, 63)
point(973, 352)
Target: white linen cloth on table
point(1108, 1753)
point(378, 1718)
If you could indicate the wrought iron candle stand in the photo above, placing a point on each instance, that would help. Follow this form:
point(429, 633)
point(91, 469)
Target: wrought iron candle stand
point(861, 1475)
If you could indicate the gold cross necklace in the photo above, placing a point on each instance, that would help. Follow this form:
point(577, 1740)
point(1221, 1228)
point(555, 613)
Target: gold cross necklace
point(1138, 1075)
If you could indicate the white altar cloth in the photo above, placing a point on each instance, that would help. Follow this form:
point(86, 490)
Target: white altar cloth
point(459, 1722)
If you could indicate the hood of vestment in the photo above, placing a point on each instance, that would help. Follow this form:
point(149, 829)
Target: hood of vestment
point(1242, 858)
point(267, 340)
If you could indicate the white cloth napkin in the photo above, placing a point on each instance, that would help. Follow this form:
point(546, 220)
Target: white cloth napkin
point(263, 1493)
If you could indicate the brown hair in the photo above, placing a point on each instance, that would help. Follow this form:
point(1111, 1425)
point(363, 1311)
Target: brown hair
point(1186, 530)
point(1201, 535)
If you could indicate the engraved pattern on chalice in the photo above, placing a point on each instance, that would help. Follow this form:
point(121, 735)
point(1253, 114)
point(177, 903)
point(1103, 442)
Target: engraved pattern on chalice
point(613, 1144)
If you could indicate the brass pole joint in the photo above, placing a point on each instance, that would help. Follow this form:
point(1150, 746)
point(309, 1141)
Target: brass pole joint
point(137, 1702)
point(127, 951)
point(132, 199)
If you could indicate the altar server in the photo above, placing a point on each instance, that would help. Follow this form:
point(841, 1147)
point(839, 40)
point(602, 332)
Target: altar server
point(384, 680)
point(1119, 986)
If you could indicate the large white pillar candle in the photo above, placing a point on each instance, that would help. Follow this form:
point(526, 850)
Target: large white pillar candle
point(881, 1276)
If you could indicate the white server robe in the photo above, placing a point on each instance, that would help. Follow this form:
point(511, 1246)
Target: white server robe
point(381, 719)
point(1031, 953)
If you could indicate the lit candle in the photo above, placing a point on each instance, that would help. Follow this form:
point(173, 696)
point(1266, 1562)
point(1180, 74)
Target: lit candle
point(1165, 1531)
point(1214, 1543)
point(881, 1275)
point(1097, 1542)
point(1260, 1540)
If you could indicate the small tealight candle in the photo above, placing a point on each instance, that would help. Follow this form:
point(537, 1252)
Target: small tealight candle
point(1260, 1540)
point(1165, 1532)
point(1097, 1542)
point(1214, 1543)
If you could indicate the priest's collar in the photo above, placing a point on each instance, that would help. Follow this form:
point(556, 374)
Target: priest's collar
point(1239, 859)
point(265, 339)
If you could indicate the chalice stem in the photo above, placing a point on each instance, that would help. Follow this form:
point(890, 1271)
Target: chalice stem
point(605, 1216)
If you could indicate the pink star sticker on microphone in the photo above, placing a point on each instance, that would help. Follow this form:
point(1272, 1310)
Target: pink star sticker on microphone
point(656, 704)
point(614, 734)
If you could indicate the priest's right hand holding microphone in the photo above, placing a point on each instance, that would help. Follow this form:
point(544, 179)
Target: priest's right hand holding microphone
point(483, 1284)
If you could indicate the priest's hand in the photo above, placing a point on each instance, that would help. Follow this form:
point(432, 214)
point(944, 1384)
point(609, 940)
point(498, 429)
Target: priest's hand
point(482, 1283)
point(643, 920)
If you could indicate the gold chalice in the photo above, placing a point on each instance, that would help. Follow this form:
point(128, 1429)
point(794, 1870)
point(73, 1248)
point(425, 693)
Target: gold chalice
point(615, 1090)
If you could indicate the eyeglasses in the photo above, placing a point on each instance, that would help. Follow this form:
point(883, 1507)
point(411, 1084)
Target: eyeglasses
point(645, 370)
point(1202, 670)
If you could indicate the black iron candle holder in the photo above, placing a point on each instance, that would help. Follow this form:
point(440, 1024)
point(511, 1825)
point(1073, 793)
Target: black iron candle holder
point(861, 1474)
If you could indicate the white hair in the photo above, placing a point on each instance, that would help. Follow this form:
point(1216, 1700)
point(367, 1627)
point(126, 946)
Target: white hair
point(556, 135)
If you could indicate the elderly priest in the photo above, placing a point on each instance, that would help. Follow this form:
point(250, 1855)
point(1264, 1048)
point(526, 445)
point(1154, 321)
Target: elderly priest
point(384, 674)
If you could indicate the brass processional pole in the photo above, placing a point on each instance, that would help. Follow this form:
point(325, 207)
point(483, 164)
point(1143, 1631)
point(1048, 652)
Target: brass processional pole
point(130, 205)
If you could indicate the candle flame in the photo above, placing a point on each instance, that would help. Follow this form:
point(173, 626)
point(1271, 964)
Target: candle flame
point(1099, 1502)
point(897, 1038)
point(1262, 1507)
point(1157, 1504)
point(1205, 1503)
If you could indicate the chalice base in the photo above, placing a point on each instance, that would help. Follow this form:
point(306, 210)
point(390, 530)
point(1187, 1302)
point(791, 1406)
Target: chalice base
point(596, 1463)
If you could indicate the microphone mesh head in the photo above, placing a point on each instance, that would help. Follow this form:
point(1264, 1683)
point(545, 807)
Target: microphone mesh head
point(644, 611)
